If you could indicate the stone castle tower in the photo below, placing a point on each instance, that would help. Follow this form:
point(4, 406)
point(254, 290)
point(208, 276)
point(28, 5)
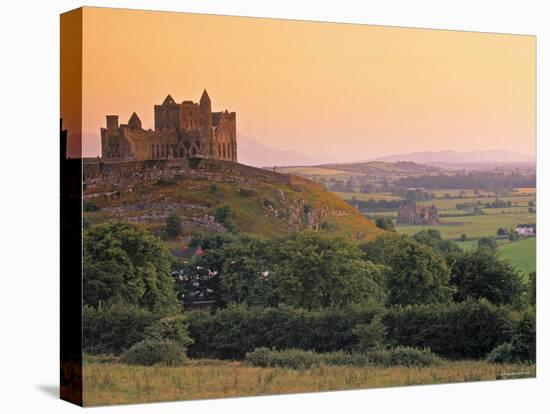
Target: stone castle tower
point(182, 130)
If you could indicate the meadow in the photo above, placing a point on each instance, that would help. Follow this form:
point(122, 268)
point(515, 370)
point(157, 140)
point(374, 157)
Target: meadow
point(521, 253)
point(113, 383)
point(456, 222)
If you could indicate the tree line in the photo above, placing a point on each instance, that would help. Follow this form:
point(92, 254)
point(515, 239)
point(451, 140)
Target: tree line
point(304, 291)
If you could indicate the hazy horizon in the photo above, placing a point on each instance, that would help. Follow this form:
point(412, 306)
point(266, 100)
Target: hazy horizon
point(346, 92)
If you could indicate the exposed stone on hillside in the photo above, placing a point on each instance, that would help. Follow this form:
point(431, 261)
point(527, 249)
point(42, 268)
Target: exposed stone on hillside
point(148, 192)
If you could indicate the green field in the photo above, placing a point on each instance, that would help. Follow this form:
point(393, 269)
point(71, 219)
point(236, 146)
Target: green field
point(472, 244)
point(473, 226)
point(456, 222)
point(521, 254)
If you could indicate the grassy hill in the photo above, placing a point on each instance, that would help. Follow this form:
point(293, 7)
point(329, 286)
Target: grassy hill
point(261, 207)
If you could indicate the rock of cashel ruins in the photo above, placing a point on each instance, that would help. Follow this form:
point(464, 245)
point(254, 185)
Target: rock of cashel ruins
point(415, 213)
point(182, 131)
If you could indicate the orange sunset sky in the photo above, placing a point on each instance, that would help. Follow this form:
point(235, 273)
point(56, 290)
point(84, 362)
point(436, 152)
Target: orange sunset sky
point(344, 91)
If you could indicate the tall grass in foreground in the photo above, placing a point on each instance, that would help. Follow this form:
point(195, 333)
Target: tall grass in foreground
point(111, 383)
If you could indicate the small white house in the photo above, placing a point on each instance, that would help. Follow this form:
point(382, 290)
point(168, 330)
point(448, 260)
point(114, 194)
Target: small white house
point(526, 229)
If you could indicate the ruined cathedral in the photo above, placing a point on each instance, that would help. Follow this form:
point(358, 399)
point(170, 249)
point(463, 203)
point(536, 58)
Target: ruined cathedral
point(182, 130)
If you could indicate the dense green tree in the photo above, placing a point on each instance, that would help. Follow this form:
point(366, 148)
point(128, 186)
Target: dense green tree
point(211, 241)
point(482, 274)
point(523, 345)
point(417, 273)
point(306, 269)
point(124, 261)
point(384, 223)
point(432, 238)
point(487, 243)
point(532, 289)
point(173, 226)
point(247, 273)
point(113, 328)
point(524, 341)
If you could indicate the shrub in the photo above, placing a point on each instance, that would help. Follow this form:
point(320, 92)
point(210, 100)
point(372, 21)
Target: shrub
point(154, 351)
point(522, 347)
point(501, 354)
point(371, 335)
point(171, 328)
point(463, 330)
point(231, 332)
point(290, 358)
point(114, 328)
point(300, 359)
point(524, 341)
point(469, 329)
point(246, 192)
point(404, 355)
point(343, 358)
point(223, 214)
point(501, 231)
point(384, 223)
point(173, 226)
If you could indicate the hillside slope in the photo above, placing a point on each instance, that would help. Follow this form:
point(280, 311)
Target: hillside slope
point(262, 202)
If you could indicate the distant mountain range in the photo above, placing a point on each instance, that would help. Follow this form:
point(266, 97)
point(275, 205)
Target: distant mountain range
point(456, 157)
point(251, 152)
point(256, 154)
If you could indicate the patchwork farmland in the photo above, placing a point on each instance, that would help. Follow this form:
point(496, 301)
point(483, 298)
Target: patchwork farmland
point(466, 214)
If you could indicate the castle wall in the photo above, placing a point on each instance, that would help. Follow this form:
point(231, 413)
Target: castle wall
point(147, 144)
point(168, 116)
point(189, 116)
point(114, 145)
point(124, 174)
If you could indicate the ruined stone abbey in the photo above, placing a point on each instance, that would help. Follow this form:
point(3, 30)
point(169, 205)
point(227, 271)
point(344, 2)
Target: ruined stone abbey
point(182, 130)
